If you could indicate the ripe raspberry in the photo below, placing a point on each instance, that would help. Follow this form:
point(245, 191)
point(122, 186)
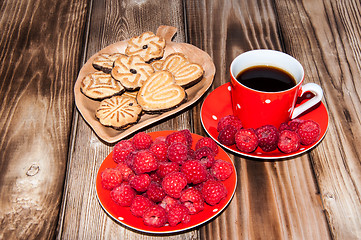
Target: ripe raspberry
point(121, 150)
point(174, 183)
point(284, 126)
point(289, 141)
point(142, 140)
point(130, 158)
point(206, 156)
point(144, 161)
point(178, 214)
point(193, 200)
point(155, 192)
point(125, 171)
point(227, 134)
point(191, 154)
point(167, 167)
point(229, 120)
point(177, 152)
point(155, 177)
point(155, 216)
point(176, 137)
point(194, 171)
point(140, 182)
point(246, 140)
point(204, 151)
point(309, 131)
point(123, 195)
point(221, 170)
point(167, 202)
point(210, 175)
point(267, 137)
point(293, 124)
point(207, 142)
point(213, 191)
point(139, 205)
point(208, 161)
point(200, 186)
point(111, 178)
point(159, 149)
point(188, 136)
point(159, 139)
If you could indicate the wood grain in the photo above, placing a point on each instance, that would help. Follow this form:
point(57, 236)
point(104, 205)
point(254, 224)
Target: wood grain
point(330, 52)
point(277, 199)
point(39, 60)
point(110, 21)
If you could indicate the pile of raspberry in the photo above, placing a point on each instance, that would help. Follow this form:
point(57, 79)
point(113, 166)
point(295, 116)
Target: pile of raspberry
point(165, 181)
point(287, 138)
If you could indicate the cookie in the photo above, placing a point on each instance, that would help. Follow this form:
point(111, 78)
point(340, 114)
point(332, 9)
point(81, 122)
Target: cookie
point(131, 71)
point(104, 62)
point(185, 73)
point(118, 112)
point(100, 85)
point(157, 65)
point(130, 94)
point(147, 45)
point(160, 93)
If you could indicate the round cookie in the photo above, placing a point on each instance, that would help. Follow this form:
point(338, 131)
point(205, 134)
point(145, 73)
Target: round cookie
point(147, 45)
point(118, 112)
point(131, 71)
point(100, 85)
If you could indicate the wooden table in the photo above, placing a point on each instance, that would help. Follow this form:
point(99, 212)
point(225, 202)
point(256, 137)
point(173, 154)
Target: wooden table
point(49, 156)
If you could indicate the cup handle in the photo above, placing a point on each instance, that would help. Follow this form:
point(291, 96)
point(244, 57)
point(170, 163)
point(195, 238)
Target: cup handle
point(309, 87)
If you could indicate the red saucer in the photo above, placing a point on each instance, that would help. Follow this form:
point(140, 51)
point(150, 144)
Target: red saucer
point(125, 217)
point(218, 104)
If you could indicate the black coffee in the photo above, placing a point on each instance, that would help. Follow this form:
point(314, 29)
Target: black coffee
point(266, 79)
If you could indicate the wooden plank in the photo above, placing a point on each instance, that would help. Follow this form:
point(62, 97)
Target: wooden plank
point(39, 47)
point(330, 52)
point(82, 216)
point(276, 199)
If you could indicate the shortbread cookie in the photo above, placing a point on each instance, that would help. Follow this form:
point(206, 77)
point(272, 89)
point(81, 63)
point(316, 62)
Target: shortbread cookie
point(118, 112)
point(100, 85)
point(160, 93)
point(104, 62)
point(148, 46)
point(131, 71)
point(185, 73)
point(157, 65)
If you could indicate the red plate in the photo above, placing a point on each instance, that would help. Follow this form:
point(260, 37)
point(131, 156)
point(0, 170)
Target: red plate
point(213, 110)
point(124, 216)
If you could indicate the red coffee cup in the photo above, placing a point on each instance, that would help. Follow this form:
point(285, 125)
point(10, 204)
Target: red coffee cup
point(256, 108)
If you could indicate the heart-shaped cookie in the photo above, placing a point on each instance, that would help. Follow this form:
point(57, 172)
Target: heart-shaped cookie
point(185, 73)
point(160, 93)
point(131, 71)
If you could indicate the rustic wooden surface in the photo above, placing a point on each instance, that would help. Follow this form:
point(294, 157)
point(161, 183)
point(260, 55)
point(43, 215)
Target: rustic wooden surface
point(41, 43)
point(49, 156)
